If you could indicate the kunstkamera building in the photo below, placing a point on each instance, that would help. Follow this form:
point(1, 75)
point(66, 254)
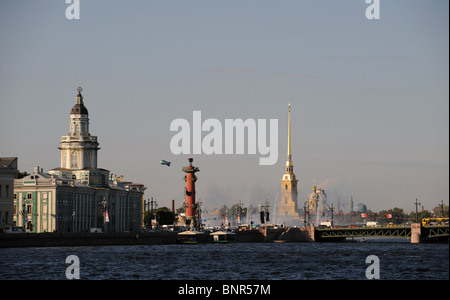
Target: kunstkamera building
point(78, 195)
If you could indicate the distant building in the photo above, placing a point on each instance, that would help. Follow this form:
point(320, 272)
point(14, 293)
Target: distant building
point(287, 206)
point(317, 201)
point(360, 208)
point(78, 195)
point(8, 171)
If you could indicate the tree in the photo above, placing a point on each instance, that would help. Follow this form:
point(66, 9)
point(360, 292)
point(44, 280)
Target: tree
point(371, 216)
point(420, 216)
point(394, 215)
point(164, 216)
point(440, 210)
point(22, 174)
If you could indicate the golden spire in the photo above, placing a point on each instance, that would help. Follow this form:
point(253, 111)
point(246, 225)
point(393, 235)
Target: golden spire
point(289, 154)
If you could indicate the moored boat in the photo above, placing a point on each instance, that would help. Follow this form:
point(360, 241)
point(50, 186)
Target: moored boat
point(223, 236)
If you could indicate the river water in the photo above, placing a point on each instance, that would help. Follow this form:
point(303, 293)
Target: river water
point(397, 258)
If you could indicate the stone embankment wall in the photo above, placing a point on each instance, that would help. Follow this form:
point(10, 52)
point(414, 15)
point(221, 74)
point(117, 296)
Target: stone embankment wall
point(86, 239)
point(147, 238)
point(280, 234)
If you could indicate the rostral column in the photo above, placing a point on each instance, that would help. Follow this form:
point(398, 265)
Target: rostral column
point(190, 179)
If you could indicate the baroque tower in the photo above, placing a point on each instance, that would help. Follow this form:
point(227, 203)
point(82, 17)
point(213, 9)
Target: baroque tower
point(287, 206)
point(79, 149)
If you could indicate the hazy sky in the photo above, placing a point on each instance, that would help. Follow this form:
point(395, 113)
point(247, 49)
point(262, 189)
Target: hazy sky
point(370, 98)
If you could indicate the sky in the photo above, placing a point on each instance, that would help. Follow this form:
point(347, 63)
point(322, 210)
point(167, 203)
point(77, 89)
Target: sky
point(370, 97)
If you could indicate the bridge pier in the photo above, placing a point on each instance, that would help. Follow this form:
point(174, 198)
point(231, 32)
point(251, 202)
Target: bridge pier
point(416, 232)
point(311, 233)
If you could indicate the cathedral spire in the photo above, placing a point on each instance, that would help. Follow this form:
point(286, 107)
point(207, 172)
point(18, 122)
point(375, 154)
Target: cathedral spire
point(289, 154)
point(289, 164)
point(287, 206)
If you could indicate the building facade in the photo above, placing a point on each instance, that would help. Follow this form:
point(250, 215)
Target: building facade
point(8, 172)
point(78, 195)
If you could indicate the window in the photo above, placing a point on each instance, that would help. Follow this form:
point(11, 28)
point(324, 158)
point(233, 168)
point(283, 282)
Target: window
point(285, 187)
point(29, 196)
point(74, 160)
point(64, 159)
point(29, 209)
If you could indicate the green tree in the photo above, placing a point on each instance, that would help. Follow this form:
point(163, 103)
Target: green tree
point(371, 216)
point(420, 216)
point(394, 215)
point(164, 216)
point(22, 174)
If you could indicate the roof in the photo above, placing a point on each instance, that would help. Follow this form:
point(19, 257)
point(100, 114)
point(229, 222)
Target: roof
point(222, 233)
point(190, 232)
point(8, 162)
point(79, 109)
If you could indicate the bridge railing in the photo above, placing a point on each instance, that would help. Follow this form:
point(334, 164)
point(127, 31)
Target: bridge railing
point(364, 232)
point(426, 232)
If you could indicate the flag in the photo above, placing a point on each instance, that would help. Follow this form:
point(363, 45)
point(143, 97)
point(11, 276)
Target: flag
point(106, 217)
point(389, 216)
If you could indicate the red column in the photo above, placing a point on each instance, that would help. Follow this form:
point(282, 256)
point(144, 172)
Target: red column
point(190, 179)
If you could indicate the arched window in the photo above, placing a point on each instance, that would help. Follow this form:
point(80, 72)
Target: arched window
point(74, 160)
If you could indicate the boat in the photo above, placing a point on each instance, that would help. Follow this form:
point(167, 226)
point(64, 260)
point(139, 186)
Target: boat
point(223, 236)
point(191, 237)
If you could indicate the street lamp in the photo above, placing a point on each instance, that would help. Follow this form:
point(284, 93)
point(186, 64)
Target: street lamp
point(441, 206)
point(24, 212)
point(332, 210)
point(305, 212)
point(153, 205)
point(417, 205)
point(73, 220)
point(105, 220)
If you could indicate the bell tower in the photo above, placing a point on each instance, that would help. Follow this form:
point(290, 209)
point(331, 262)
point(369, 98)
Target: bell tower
point(287, 206)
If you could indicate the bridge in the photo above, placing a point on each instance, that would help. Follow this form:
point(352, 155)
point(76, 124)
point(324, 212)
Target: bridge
point(425, 233)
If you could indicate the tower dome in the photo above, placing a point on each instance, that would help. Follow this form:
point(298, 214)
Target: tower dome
point(79, 108)
point(360, 208)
